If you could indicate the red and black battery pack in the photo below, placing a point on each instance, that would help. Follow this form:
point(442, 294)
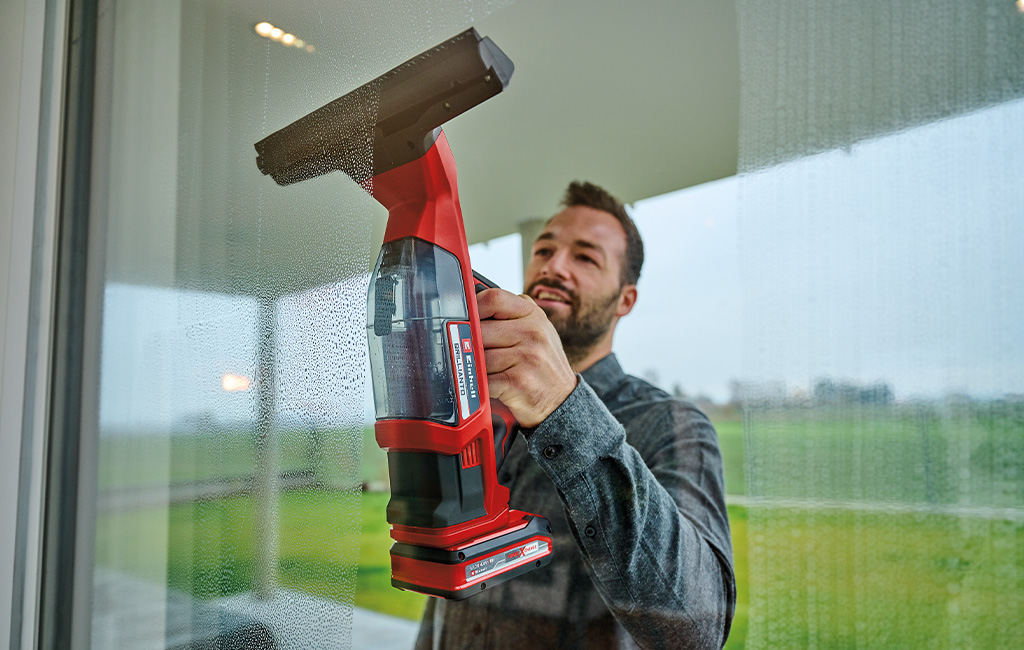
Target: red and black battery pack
point(454, 532)
point(461, 572)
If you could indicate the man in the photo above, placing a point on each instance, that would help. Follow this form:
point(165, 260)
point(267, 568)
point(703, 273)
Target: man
point(630, 478)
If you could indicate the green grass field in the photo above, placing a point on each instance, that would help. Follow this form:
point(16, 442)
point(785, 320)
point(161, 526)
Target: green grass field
point(848, 579)
point(827, 577)
point(210, 549)
point(919, 581)
point(938, 454)
point(130, 461)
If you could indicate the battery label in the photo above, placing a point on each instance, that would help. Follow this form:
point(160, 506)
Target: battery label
point(505, 559)
point(463, 359)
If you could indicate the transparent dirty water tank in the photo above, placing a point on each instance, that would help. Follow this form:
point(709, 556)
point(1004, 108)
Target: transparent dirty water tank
point(415, 289)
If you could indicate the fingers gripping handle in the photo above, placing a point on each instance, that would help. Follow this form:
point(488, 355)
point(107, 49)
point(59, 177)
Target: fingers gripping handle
point(502, 420)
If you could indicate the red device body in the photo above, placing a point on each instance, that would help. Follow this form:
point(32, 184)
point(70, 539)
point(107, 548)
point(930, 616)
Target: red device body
point(454, 533)
point(455, 541)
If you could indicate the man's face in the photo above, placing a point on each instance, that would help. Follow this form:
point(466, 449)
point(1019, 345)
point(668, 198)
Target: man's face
point(575, 274)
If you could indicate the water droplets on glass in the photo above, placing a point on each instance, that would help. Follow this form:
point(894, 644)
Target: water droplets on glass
point(233, 355)
point(884, 409)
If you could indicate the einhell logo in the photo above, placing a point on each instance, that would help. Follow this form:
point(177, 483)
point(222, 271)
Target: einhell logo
point(517, 553)
point(467, 346)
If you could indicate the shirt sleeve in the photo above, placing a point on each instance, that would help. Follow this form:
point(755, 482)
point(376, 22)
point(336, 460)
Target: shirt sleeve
point(652, 527)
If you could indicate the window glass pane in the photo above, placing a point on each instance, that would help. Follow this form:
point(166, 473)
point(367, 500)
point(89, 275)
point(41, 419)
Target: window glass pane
point(874, 471)
point(233, 352)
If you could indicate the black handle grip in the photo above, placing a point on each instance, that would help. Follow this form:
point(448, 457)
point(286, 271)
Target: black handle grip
point(502, 420)
point(483, 283)
point(505, 429)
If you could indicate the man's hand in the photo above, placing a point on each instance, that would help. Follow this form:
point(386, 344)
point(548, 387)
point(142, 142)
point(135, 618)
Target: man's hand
point(526, 367)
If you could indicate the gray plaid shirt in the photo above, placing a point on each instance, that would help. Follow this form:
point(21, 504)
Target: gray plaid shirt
point(631, 481)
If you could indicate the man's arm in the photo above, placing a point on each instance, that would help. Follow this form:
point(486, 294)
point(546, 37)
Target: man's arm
point(645, 525)
point(652, 528)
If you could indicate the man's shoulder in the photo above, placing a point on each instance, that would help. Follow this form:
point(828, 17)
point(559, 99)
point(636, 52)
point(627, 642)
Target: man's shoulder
point(632, 389)
point(634, 397)
point(639, 404)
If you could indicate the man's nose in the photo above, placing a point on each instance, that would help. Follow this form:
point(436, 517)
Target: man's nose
point(556, 265)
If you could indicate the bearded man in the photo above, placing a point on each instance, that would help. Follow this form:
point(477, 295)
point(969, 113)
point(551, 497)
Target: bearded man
point(629, 477)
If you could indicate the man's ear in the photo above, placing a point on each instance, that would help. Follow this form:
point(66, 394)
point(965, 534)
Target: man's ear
point(627, 298)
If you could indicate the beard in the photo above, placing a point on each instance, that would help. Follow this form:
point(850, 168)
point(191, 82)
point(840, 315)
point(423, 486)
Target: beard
point(585, 324)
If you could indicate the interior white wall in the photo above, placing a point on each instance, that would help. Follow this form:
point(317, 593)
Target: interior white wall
point(11, 13)
point(30, 63)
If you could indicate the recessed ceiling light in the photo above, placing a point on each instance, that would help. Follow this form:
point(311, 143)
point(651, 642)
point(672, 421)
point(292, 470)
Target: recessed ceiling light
point(288, 40)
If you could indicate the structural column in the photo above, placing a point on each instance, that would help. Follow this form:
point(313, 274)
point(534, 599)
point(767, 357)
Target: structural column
point(529, 230)
point(268, 463)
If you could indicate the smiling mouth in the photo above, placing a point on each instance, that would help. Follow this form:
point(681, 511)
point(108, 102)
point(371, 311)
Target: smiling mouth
point(549, 296)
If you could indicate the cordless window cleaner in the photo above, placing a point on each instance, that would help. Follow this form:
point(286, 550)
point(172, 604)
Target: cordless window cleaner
point(446, 439)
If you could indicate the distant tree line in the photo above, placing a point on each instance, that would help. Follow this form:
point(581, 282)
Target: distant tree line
point(825, 391)
point(830, 391)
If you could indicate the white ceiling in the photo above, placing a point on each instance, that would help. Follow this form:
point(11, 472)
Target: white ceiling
point(642, 98)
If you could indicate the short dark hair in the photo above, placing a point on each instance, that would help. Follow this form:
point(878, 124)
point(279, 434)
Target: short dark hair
point(593, 196)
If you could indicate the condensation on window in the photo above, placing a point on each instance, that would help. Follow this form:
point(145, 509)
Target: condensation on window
point(880, 226)
point(233, 353)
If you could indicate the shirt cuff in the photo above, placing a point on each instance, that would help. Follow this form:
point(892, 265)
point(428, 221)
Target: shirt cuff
point(576, 434)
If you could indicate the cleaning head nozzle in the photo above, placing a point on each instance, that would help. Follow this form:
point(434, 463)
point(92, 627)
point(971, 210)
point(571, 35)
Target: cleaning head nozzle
point(392, 119)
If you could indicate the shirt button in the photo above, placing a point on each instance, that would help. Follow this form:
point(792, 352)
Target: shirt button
point(550, 451)
point(589, 531)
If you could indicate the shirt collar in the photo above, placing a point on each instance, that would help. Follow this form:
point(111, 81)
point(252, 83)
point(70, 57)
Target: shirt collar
point(604, 375)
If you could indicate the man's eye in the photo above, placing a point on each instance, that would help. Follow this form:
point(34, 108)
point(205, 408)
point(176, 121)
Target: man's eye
point(587, 259)
point(542, 252)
